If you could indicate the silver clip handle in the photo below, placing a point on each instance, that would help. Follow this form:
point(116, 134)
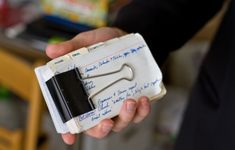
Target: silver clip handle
point(128, 77)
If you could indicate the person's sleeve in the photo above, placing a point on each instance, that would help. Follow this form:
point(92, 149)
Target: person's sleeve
point(166, 24)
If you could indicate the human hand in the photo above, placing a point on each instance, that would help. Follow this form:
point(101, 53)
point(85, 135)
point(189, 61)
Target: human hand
point(131, 111)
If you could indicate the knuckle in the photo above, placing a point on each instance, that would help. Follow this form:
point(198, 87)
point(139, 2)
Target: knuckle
point(120, 126)
point(118, 129)
point(126, 120)
point(101, 136)
point(143, 113)
point(138, 119)
point(97, 136)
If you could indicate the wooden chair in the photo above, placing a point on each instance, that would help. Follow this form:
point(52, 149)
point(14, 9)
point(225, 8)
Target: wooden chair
point(19, 77)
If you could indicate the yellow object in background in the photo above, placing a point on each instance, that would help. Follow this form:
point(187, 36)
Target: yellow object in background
point(89, 12)
point(55, 39)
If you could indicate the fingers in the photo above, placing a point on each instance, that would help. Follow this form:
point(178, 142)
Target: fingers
point(56, 50)
point(126, 115)
point(131, 111)
point(98, 131)
point(143, 109)
point(69, 138)
point(83, 39)
point(101, 130)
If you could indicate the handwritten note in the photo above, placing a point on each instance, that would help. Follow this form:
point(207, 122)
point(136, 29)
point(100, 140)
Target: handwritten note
point(103, 59)
point(117, 97)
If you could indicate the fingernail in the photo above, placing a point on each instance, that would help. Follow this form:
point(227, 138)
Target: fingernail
point(146, 102)
point(68, 139)
point(130, 106)
point(106, 128)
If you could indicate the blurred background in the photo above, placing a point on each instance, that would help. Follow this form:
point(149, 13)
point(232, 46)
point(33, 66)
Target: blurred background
point(27, 26)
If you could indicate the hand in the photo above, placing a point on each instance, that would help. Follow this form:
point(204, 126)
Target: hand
point(131, 111)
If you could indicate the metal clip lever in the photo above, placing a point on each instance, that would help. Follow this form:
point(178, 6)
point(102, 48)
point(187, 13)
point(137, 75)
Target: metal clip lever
point(126, 76)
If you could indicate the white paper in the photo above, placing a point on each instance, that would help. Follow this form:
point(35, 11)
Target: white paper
point(104, 58)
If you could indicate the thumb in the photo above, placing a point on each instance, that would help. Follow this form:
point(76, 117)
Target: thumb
point(82, 40)
point(56, 50)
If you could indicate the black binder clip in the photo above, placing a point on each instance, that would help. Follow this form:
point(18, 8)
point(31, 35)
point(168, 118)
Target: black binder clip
point(71, 98)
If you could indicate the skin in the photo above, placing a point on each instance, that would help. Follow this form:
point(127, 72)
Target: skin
point(132, 111)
